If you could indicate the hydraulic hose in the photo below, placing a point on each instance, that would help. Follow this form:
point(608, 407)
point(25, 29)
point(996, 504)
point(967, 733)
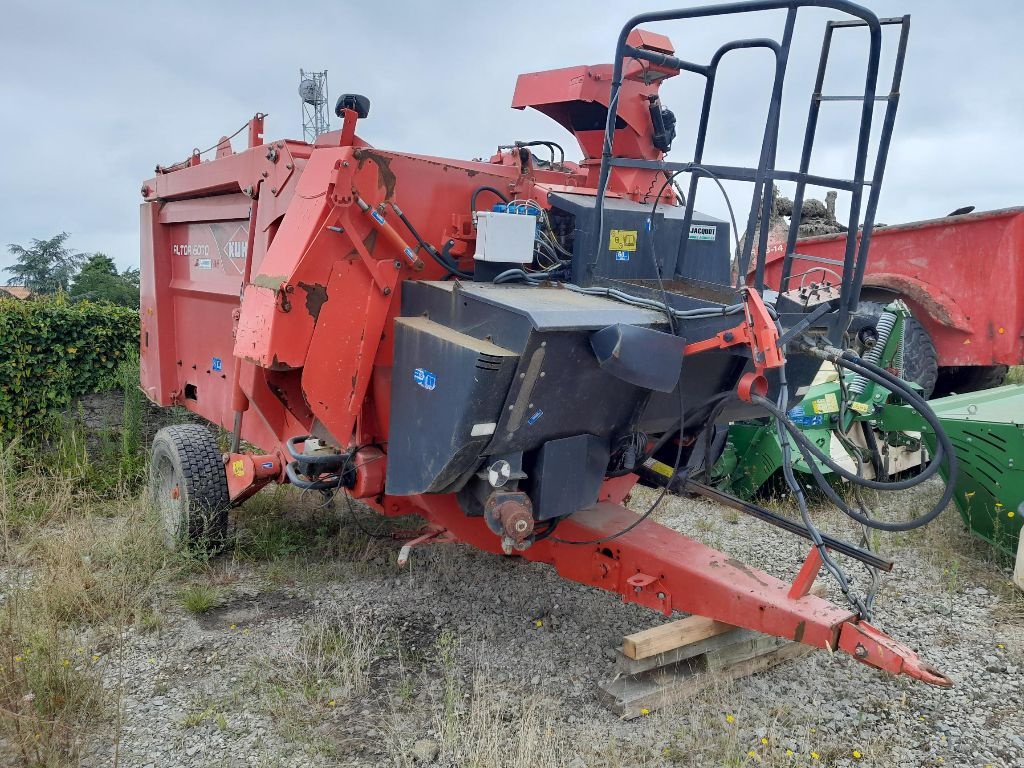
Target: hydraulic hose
point(485, 188)
point(944, 448)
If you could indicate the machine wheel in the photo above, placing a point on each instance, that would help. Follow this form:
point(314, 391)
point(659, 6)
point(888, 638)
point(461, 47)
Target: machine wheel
point(969, 378)
point(189, 488)
point(920, 361)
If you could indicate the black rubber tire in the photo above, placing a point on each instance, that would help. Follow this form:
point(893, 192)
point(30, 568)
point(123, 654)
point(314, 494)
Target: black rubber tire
point(189, 488)
point(969, 378)
point(920, 361)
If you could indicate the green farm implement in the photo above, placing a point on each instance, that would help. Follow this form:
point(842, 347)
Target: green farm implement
point(868, 430)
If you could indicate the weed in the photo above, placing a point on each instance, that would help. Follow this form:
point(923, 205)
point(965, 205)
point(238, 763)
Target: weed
point(199, 598)
point(198, 716)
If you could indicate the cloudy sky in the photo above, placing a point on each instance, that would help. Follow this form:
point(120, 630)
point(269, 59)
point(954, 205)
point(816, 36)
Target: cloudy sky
point(94, 94)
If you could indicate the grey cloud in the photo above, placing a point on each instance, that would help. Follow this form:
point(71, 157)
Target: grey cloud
point(95, 94)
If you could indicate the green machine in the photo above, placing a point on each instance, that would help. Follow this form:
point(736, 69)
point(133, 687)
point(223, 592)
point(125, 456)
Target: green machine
point(861, 425)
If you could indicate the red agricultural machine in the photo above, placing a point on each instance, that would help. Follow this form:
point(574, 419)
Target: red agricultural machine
point(965, 329)
point(500, 346)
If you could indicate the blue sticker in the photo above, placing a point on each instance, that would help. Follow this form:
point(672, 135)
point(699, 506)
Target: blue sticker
point(377, 217)
point(217, 364)
point(622, 255)
point(533, 419)
point(267, 465)
point(424, 378)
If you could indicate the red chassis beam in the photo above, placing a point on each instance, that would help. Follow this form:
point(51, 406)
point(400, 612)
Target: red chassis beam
point(666, 571)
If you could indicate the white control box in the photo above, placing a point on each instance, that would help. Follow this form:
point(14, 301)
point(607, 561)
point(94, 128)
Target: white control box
point(505, 237)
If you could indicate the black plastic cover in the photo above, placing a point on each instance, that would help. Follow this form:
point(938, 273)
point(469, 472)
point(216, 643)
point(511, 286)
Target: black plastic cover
point(641, 356)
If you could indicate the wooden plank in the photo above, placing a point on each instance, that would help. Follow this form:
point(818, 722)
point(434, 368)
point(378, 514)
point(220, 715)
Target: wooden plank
point(675, 634)
point(631, 697)
point(628, 666)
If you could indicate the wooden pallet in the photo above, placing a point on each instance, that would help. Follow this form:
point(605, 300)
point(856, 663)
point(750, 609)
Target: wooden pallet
point(675, 661)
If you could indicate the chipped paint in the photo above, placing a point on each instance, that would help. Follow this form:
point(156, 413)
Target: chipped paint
point(739, 565)
point(385, 176)
point(798, 635)
point(270, 282)
point(316, 295)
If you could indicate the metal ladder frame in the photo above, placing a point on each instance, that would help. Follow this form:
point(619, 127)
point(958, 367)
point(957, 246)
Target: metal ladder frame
point(766, 174)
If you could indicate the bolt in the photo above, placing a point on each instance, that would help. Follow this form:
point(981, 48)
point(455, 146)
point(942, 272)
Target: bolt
point(728, 336)
point(264, 174)
point(273, 190)
point(398, 265)
point(289, 166)
point(661, 595)
point(387, 291)
point(860, 651)
point(521, 526)
point(344, 164)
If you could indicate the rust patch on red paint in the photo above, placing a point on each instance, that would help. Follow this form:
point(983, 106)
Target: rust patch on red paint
point(316, 295)
point(385, 176)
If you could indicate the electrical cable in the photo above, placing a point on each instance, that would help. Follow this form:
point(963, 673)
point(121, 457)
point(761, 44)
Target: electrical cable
point(657, 501)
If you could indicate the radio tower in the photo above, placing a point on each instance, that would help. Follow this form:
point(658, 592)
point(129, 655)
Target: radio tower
point(313, 92)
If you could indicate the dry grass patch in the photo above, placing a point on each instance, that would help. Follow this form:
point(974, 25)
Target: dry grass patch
point(79, 571)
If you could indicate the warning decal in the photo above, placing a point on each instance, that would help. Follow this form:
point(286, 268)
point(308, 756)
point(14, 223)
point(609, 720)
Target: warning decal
point(826, 404)
point(622, 240)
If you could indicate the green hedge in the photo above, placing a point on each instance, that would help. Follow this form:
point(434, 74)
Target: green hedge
point(52, 350)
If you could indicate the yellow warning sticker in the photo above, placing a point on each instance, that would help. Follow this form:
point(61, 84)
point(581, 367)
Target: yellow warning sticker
point(859, 407)
point(826, 404)
point(622, 240)
point(238, 468)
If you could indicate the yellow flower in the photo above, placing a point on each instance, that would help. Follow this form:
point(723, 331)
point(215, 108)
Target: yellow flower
point(764, 740)
point(17, 659)
point(233, 626)
point(246, 631)
point(1011, 513)
point(856, 754)
point(645, 711)
point(95, 658)
point(730, 719)
point(815, 756)
point(538, 623)
point(66, 663)
point(751, 754)
point(789, 753)
point(331, 703)
point(1000, 646)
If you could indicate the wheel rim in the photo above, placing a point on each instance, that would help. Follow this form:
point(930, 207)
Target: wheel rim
point(168, 497)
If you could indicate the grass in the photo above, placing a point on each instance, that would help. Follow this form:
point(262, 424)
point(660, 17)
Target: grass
point(75, 560)
point(199, 598)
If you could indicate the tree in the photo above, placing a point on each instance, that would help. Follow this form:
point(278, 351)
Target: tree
point(99, 280)
point(46, 267)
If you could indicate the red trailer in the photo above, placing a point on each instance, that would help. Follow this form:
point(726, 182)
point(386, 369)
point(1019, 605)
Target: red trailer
point(963, 278)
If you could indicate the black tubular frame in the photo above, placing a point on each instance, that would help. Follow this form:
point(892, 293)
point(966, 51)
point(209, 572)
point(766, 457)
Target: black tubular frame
point(765, 174)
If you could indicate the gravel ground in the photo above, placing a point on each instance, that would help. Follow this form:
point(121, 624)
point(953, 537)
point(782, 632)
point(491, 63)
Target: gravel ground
point(467, 655)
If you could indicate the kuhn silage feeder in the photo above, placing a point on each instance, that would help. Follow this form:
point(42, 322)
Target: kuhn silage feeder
point(498, 346)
